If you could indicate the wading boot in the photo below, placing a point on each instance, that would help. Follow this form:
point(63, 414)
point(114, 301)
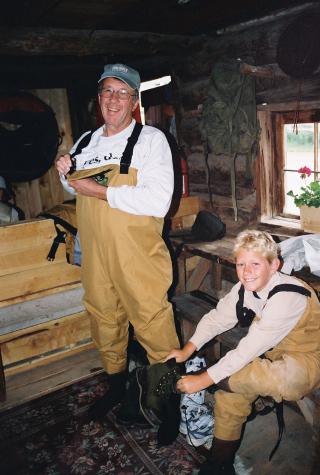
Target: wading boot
point(102, 406)
point(221, 458)
point(129, 412)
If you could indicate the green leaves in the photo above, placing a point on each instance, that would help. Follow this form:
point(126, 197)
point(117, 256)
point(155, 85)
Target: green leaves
point(309, 196)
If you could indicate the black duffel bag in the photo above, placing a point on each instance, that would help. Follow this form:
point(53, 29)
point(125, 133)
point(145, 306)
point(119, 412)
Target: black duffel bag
point(206, 227)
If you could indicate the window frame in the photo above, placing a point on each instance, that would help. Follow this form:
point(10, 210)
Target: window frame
point(271, 160)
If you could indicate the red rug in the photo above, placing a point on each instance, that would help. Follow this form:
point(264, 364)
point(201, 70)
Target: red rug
point(53, 436)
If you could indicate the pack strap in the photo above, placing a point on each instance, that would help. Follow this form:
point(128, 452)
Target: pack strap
point(60, 238)
point(61, 235)
point(281, 426)
point(61, 221)
point(278, 408)
point(128, 151)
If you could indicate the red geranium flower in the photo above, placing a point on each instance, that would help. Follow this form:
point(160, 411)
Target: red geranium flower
point(304, 172)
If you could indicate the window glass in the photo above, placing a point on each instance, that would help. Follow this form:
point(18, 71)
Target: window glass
point(299, 152)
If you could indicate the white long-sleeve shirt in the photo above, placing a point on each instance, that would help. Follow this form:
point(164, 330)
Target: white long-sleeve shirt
point(278, 316)
point(151, 158)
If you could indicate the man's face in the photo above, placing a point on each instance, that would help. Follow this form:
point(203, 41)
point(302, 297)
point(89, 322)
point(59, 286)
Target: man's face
point(117, 113)
point(254, 271)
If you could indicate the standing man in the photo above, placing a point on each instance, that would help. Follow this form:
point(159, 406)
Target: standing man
point(122, 198)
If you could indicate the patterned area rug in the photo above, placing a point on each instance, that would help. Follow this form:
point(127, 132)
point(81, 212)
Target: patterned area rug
point(53, 436)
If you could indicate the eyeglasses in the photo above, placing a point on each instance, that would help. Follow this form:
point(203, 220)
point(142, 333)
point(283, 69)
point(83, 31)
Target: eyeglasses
point(121, 94)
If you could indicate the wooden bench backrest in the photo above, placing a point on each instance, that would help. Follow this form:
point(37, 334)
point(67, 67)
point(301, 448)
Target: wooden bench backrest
point(25, 272)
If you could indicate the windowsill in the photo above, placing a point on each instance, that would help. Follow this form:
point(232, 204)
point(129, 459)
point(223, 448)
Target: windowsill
point(280, 221)
point(282, 227)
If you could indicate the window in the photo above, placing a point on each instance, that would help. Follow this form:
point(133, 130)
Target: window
point(285, 147)
point(301, 148)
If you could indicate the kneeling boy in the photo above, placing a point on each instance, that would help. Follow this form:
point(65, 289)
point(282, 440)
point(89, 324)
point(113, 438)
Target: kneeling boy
point(279, 357)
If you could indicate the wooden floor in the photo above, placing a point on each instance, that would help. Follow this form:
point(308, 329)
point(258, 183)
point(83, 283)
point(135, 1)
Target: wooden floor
point(294, 456)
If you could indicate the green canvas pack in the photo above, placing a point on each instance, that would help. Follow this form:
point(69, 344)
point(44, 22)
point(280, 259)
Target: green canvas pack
point(229, 120)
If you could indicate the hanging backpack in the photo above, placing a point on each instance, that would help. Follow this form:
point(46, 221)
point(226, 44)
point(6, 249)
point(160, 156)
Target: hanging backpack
point(229, 122)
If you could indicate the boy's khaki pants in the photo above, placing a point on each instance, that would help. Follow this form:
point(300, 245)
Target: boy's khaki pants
point(289, 378)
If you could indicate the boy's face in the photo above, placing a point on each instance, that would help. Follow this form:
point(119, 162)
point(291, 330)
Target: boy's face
point(254, 271)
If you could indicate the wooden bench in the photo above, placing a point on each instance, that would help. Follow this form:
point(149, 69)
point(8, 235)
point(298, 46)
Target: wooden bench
point(42, 317)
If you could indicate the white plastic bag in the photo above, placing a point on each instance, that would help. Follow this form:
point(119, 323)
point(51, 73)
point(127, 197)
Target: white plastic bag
point(301, 251)
point(312, 252)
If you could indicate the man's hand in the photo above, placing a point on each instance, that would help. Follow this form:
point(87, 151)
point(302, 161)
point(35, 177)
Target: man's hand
point(89, 187)
point(193, 383)
point(63, 164)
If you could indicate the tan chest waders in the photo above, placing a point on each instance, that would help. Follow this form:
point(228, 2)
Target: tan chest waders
point(126, 272)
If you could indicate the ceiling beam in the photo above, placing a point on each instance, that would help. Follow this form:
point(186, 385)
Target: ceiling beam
point(63, 42)
point(282, 13)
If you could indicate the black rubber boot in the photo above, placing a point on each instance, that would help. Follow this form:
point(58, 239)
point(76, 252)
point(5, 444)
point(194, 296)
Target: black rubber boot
point(122, 417)
point(129, 413)
point(221, 459)
point(102, 406)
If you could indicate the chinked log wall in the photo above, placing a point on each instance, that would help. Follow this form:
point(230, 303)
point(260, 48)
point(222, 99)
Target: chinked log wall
point(256, 46)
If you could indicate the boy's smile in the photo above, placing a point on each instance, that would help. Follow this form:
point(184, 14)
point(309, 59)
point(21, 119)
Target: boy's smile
point(254, 271)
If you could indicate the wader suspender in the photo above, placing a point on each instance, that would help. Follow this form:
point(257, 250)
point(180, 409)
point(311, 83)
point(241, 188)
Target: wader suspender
point(83, 143)
point(245, 317)
point(128, 151)
point(244, 314)
point(125, 161)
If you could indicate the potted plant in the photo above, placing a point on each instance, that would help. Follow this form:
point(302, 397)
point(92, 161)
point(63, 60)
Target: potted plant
point(308, 200)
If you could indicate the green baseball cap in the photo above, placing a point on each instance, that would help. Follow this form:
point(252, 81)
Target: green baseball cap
point(120, 71)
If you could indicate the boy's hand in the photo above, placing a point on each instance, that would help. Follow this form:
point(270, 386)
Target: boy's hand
point(182, 355)
point(178, 355)
point(193, 383)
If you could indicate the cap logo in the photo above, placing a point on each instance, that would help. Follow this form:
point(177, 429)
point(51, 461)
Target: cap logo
point(122, 72)
point(120, 68)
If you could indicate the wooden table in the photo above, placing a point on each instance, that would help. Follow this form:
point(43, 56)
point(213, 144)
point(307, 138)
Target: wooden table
point(213, 258)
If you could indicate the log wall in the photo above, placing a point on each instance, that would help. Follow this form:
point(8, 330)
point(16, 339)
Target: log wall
point(257, 46)
point(74, 59)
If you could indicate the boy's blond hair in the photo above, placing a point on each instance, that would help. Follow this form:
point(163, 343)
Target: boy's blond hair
point(260, 242)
